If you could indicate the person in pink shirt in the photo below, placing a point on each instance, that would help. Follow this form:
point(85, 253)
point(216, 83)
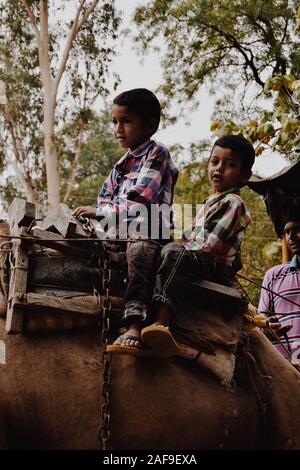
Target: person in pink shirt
point(284, 300)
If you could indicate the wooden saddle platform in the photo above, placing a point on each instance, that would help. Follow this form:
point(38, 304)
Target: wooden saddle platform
point(54, 285)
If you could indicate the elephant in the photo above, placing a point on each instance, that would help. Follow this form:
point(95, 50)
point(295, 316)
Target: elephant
point(51, 397)
point(52, 381)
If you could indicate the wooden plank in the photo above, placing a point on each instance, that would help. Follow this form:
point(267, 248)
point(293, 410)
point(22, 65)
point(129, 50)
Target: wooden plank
point(4, 271)
point(215, 295)
point(60, 221)
point(58, 320)
point(49, 322)
point(41, 303)
point(217, 289)
point(38, 232)
point(17, 286)
point(82, 307)
point(20, 213)
point(51, 240)
point(55, 291)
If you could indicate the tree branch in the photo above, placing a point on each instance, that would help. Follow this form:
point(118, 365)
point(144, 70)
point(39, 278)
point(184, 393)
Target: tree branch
point(270, 134)
point(43, 46)
point(284, 31)
point(32, 18)
point(249, 62)
point(76, 26)
point(79, 142)
point(281, 63)
point(87, 13)
point(25, 181)
point(75, 161)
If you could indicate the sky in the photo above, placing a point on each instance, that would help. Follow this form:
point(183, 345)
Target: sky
point(146, 72)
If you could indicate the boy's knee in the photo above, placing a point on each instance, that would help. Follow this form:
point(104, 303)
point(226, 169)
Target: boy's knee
point(170, 249)
point(143, 253)
point(136, 246)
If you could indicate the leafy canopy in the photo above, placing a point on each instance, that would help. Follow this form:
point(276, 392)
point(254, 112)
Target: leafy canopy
point(84, 80)
point(209, 40)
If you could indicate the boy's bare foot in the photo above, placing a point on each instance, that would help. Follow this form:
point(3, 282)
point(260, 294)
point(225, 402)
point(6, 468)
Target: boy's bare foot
point(132, 337)
point(131, 343)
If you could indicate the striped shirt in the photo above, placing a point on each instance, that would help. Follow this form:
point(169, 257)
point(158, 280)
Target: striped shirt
point(219, 226)
point(145, 176)
point(284, 280)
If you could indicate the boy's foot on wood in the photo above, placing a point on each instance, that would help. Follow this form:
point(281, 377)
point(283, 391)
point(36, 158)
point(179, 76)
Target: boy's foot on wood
point(130, 344)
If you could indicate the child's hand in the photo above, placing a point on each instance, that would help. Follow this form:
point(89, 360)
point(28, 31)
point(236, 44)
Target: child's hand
point(85, 211)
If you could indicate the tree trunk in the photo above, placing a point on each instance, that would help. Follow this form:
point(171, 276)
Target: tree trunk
point(75, 162)
point(50, 85)
point(53, 182)
point(27, 188)
point(50, 95)
point(19, 157)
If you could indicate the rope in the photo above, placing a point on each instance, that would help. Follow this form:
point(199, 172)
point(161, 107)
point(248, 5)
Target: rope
point(270, 291)
point(279, 340)
point(114, 240)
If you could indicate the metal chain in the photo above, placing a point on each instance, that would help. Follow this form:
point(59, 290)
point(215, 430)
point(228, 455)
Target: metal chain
point(87, 225)
point(104, 434)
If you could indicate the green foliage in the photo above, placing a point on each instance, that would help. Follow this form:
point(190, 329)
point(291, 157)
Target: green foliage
point(193, 185)
point(20, 119)
point(233, 46)
point(275, 130)
point(99, 153)
point(218, 40)
point(257, 239)
point(85, 76)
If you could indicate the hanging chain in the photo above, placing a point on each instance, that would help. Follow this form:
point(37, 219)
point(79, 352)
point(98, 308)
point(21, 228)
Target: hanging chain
point(87, 225)
point(104, 434)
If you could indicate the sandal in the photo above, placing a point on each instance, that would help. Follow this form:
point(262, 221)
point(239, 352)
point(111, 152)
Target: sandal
point(141, 351)
point(159, 338)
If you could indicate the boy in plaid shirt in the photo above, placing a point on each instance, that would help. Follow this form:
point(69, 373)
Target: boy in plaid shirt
point(211, 249)
point(142, 179)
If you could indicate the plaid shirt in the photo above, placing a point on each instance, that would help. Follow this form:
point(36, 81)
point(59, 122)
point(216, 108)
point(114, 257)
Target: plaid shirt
point(145, 176)
point(284, 280)
point(219, 226)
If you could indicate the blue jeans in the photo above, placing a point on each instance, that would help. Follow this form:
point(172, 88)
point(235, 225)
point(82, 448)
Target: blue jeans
point(178, 263)
point(142, 262)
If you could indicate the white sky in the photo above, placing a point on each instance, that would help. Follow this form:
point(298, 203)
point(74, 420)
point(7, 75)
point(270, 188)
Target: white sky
point(147, 73)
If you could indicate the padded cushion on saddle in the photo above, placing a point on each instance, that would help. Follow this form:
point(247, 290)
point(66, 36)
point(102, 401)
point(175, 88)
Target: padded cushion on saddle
point(53, 275)
point(206, 323)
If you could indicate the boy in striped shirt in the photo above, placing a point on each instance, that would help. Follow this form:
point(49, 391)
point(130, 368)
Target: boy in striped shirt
point(210, 251)
point(142, 180)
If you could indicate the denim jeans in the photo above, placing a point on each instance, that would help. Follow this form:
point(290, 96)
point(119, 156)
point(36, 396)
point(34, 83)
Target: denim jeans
point(142, 258)
point(178, 263)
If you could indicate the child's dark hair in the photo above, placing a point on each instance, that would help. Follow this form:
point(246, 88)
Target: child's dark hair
point(142, 102)
point(241, 146)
